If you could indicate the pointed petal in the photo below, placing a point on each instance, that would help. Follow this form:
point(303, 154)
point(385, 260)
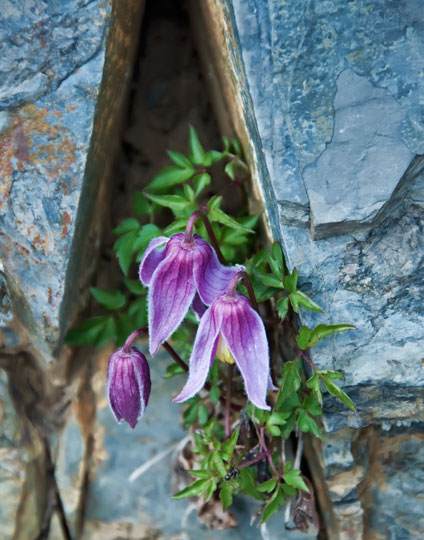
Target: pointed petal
point(244, 332)
point(213, 278)
point(202, 355)
point(151, 259)
point(198, 307)
point(170, 295)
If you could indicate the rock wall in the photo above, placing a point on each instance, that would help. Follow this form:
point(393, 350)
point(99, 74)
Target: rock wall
point(64, 73)
point(326, 98)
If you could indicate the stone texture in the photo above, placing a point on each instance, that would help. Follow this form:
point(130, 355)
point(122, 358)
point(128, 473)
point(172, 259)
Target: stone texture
point(327, 100)
point(59, 98)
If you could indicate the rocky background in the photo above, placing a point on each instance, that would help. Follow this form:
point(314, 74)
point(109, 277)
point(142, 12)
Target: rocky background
point(327, 100)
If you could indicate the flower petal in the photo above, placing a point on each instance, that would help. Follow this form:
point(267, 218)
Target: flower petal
point(202, 355)
point(212, 279)
point(170, 295)
point(198, 307)
point(151, 259)
point(244, 332)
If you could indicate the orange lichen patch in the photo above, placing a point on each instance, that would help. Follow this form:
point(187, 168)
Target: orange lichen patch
point(65, 221)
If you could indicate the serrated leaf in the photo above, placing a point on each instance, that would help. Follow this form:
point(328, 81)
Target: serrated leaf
point(141, 205)
point(124, 248)
point(227, 448)
point(306, 302)
point(282, 306)
point(226, 495)
point(196, 149)
point(109, 299)
point(268, 486)
point(303, 338)
point(218, 463)
point(200, 181)
point(307, 424)
point(323, 330)
point(290, 282)
point(87, 332)
point(135, 286)
point(273, 505)
point(180, 159)
point(200, 473)
point(173, 370)
point(337, 392)
point(127, 225)
point(174, 202)
point(216, 214)
point(294, 479)
point(210, 489)
point(170, 176)
point(290, 382)
point(193, 490)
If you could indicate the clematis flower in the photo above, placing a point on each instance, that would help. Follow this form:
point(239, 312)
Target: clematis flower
point(233, 331)
point(128, 382)
point(175, 269)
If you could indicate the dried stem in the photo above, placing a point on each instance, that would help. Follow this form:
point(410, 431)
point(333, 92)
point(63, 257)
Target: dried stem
point(252, 461)
point(261, 436)
point(175, 356)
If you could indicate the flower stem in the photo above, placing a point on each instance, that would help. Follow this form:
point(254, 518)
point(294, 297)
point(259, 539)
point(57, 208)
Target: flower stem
point(189, 232)
point(228, 400)
point(176, 357)
point(302, 353)
point(231, 289)
point(131, 338)
point(252, 461)
point(261, 436)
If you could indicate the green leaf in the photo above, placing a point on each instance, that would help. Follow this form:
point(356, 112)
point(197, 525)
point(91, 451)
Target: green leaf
point(127, 225)
point(312, 404)
point(278, 418)
point(210, 489)
point(273, 505)
point(138, 311)
point(87, 332)
point(189, 193)
point(323, 330)
point(314, 384)
point(276, 260)
point(226, 495)
point(178, 225)
point(170, 176)
point(200, 473)
point(174, 202)
point(108, 332)
point(290, 382)
point(135, 286)
point(226, 143)
point(215, 202)
point(307, 424)
point(246, 481)
point(288, 428)
point(229, 170)
point(141, 205)
point(124, 327)
point(173, 370)
point(227, 448)
point(200, 182)
point(124, 248)
point(145, 234)
point(218, 463)
point(272, 281)
point(237, 147)
point(282, 306)
point(290, 282)
point(294, 479)
point(197, 153)
point(193, 490)
point(109, 299)
point(275, 431)
point(268, 486)
point(294, 302)
point(303, 337)
point(216, 214)
point(180, 160)
point(214, 394)
point(211, 157)
point(337, 392)
point(202, 414)
point(305, 301)
point(190, 414)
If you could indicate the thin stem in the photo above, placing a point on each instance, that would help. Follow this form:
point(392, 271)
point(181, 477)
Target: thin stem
point(189, 231)
point(176, 357)
point(228, 400)
point(302, 353)
point(261, 436)
point(252, 461)
point(299, 451)
point(251, 292)
point(127, 345)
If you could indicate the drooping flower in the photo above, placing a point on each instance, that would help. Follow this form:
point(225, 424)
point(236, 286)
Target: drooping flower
point(233, 331)
point(175, 269)
point(128, 382)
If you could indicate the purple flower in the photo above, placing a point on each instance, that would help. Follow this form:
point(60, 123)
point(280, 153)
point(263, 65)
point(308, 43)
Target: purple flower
point(175, 269)
point(128, 382)
point(234, 332)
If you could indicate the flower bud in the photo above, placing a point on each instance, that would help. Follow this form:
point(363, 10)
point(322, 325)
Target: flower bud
point(128, 384)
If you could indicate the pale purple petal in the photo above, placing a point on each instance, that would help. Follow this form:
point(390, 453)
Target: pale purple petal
point(170, 295)
point(202, 355)
point(213, 279)
point(198, 307)
point(128, 385)
point(244, 333)
point(151, 259)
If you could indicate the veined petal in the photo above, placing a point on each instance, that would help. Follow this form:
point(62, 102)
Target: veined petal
point(212, 278)
point(171, 293)
point(151, 259)
point(198, 307)
point(202, 355)
point(244, 332)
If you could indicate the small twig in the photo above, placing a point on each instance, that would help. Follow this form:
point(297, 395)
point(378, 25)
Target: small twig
point(261, 436)
point(228, 400)
point(251, 292)
point(299, 451)
point(252, 461)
